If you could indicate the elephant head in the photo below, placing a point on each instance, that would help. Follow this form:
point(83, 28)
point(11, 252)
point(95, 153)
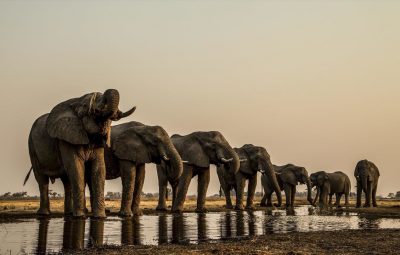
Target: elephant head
point(147, 144)
point(256, 159)
point(87, 119)
point(294, 174)
point(321, 181)
point(365, 172)
point(204, 148)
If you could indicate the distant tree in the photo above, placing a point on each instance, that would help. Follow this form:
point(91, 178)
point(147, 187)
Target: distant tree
point(6, 195)
point(391, 195)
point(19, 194)
point(398, 194)
point(53, 193)
point(169, 193)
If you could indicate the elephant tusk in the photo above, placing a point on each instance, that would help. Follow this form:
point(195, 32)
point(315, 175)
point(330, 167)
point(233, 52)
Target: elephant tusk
point(243, 160)
point(261, 171)
point(165, 158)
point(127, 113)
point(226, 160)
point(185, 162)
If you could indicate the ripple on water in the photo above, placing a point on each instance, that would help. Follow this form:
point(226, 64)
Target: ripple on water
point(57, 234)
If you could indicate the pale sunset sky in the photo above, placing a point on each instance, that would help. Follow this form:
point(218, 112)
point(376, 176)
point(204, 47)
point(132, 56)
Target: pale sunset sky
point(317, 83)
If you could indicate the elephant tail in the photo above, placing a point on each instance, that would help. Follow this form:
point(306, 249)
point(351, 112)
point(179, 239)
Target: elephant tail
point(27, 176)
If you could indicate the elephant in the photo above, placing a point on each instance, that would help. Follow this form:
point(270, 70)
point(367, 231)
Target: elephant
point(134, 144)
point(337, 183)
point(198, 150)
point(288, 177)
point(69, 141)
point(367, 176)
point(253, 159)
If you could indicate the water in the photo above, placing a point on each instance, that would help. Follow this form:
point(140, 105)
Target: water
point(58, 234)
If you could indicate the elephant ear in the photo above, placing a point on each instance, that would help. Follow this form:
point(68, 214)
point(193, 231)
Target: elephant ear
point(193, 153)
point(288, 176)
point(130, 146)
point(63, 123)
point(321, 179)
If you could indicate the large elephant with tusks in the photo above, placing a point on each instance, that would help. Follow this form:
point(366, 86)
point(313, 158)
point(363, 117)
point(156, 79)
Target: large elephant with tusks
point(70, 141)
point(198, 151)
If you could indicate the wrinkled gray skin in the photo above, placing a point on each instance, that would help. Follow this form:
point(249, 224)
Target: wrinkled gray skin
point(367, 176)
point(253, 159)
point(337, 183)
point(288, 177)
point(198, 151)
point(69, 141)
point(133, 145)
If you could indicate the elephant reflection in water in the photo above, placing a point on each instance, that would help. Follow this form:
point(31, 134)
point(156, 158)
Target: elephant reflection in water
point(366, 222)
point(130, 231)
point(42, 236)
point(240, 224)
point(74, 233)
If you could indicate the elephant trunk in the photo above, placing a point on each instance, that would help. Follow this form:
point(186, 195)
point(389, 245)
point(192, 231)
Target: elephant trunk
point(229, 157)
point(173, 159)
point(111, 100)
point(364, 182)
point(309, 188)
point(270, 172)
point(316, 196)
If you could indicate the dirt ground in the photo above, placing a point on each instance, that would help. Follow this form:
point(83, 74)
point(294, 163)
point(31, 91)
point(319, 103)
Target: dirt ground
point(334, 242)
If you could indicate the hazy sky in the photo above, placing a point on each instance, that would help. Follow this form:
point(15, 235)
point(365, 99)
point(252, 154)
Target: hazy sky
point(315, 82)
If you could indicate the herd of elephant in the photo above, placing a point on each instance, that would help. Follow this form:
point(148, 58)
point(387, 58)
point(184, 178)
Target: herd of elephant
point(76, 143)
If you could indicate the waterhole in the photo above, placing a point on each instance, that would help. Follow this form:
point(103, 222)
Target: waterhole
point(54, 235)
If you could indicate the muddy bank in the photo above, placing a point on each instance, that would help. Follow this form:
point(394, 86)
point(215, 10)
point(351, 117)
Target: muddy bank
point(12, 210)
point(334, 242)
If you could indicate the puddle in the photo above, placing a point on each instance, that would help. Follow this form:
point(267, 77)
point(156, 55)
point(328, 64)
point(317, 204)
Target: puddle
point(55, 235)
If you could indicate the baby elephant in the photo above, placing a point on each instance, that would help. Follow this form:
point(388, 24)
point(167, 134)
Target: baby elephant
point(337, 183)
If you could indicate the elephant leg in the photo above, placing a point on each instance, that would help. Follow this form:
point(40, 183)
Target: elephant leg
point(368, 195)
point(98, 179)
point(203, 182)
point(346, 199)
point(338, 197)
point(174, 192)
point(374, 204)
point(67, 196)
point(162, 190)
point(43, 182)
point(128, 174)
point(228, 199)
point(184, 182)
point(263, 200)
point(139, 180)
point(287, 191)
point(359, 192)
point(240, 183)
point(330, 199)
point(292, 195)
point(251, 191)
point(75, 168)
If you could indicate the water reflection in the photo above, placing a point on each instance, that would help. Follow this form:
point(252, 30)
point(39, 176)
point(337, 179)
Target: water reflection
point(57, 235)
point(130, 231)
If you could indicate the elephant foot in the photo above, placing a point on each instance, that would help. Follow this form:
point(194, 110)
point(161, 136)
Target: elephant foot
point(263, 205)
point(239, 207)
point(99, 214)
point(366, 205)
point(161, 208)
point(177, 210)
point(375, 205)
point(250, 207)
point(125, 213)
point(43, 212)
point(201, 210)
point(229, 207)
point(276, 205)
point(137, 212)
point(358, 206)
point(79, 214)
